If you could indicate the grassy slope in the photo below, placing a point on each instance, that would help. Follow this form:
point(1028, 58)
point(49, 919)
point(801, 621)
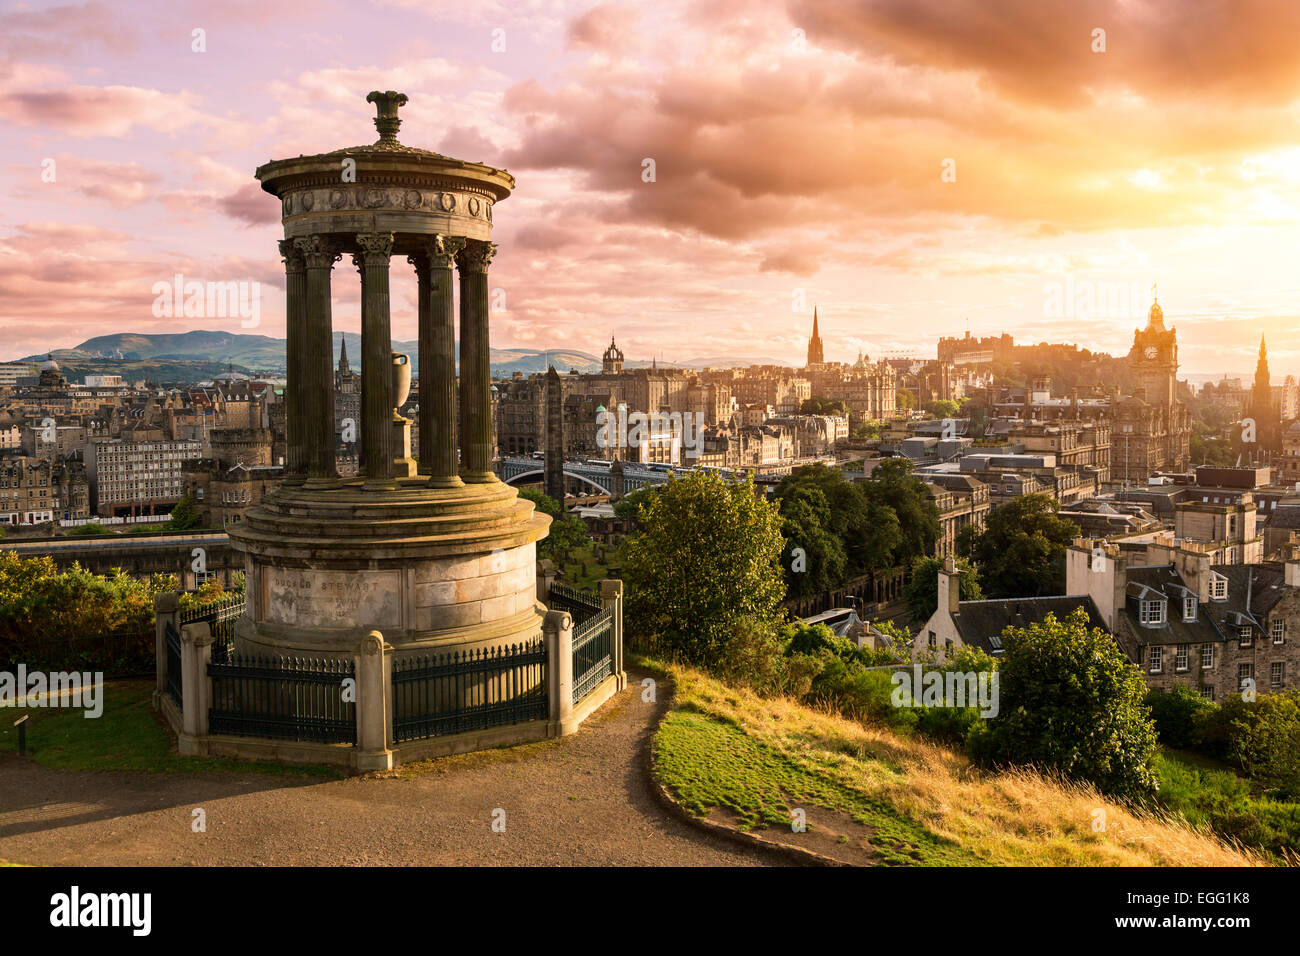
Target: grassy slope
point(723, 747)
point(128, 735)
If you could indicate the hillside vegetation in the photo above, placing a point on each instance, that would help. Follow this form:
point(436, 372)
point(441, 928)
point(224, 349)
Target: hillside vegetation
point(755, 758)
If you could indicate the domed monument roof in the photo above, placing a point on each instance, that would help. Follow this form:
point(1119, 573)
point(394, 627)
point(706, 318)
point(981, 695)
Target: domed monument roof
point(414, 191)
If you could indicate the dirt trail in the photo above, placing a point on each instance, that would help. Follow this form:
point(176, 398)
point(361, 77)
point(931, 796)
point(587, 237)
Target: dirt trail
point(582, 800)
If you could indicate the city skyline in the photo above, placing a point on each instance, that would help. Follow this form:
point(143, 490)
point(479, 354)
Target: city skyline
point(901, 165)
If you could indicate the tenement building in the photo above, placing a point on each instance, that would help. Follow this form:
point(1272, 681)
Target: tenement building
point(36, 490)
point(1217, 629)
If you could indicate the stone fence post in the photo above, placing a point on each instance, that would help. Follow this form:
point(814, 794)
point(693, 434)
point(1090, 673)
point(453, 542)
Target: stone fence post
point(545, 578)
point(611, 597)
point(557, 629)
point(166, 607)
point(196, 690)
point(374, 694)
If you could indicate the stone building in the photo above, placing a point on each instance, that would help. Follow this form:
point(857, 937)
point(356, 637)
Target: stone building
point(1186, 621)
point(961, 500)
point(238, 476)
point(36, 490)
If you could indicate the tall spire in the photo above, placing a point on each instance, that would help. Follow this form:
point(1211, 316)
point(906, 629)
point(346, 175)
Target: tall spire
point(344, 368)
point(815, 353)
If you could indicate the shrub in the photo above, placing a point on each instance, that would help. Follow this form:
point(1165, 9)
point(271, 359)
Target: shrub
point(1071, 702)
point(1176, 714)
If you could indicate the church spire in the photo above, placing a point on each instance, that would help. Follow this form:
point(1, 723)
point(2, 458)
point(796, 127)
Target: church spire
point(344, 368)
point(815, 353)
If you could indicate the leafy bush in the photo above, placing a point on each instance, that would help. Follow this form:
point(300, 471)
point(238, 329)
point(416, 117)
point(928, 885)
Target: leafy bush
point(1176, 714)
point(1072, 702)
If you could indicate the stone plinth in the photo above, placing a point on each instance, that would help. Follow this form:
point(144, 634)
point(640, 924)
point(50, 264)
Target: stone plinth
point(432, 569)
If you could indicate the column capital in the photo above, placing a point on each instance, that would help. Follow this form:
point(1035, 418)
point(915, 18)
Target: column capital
point(319, 252)
point(438, 253)
point(292, 256)
point(476, 255)
point(376, 248)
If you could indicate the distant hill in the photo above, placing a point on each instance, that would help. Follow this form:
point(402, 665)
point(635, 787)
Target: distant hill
point(142, 352)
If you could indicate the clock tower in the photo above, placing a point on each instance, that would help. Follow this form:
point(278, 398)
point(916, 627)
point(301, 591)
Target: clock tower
point(1154, 360)
point(1152, 430)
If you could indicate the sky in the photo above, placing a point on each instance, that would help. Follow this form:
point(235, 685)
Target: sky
point(914, 168)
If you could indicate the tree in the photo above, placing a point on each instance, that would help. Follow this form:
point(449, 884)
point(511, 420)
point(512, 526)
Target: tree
point(1021, 550)
point(943, 408)
point(1070, 701)
point(544, 502)
point(813, 557)
point(628, 506)
point(867, 530)
point(823, 406)
point(566, 533)
point(184, 516)
point(905, 398)
point(893, 487)
point(706, 560)
point(922, 592)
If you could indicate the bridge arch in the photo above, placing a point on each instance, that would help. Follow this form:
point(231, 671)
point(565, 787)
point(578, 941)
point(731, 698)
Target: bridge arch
point(514, 479)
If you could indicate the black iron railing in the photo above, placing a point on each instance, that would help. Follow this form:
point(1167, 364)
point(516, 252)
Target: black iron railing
point(293, 698)
point(452, 693)
point(579, 604)
point(221, 616)
point(593, 652)
point(173, 640)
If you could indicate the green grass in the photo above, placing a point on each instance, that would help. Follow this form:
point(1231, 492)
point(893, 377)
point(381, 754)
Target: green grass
point(583, 571)
point(128, 735)
point(1210, 794)
point(708, 762)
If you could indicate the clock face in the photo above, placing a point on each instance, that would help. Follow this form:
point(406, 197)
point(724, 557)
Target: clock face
point(1150, 352)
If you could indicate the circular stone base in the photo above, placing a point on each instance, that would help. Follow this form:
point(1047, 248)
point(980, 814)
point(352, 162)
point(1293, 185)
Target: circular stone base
point(429, 568)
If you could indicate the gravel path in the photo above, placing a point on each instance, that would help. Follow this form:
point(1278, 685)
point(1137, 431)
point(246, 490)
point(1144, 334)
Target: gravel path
point(582, 800)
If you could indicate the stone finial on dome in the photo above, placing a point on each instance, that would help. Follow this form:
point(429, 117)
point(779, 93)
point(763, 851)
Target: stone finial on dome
point(386, 105)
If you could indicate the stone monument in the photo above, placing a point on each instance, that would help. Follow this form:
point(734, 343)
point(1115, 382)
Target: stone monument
point(436, 556)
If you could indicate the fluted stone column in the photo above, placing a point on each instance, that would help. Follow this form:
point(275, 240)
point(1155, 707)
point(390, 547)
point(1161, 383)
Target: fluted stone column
point(319, 255)
point(438, 450)
point(475, 361)
point(295, 329)
point(376, 360)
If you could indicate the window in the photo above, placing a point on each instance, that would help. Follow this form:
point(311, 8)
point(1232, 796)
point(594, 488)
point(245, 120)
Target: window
point(1208, 693)
point(1245, 672)
point(1279, 632)
point(1189, 608)
point(1245, 636)
point(1152, 612)
point(1218, 588)
point(1207, 656)
point(1155, 660)
point(933, 641)
point(1276, 673)
point(1180, 657)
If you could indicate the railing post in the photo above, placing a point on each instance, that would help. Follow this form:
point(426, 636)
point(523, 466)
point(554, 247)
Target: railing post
point(545, 578)
point(611, 597)
point(166, 607)
point(557, 630)
point(196, 693)
point(374, 675)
